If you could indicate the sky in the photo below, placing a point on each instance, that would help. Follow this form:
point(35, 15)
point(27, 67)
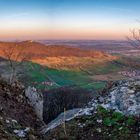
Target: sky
point(68, 19)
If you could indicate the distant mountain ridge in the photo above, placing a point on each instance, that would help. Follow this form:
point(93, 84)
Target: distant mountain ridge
point(56, 56)
point(39, 49)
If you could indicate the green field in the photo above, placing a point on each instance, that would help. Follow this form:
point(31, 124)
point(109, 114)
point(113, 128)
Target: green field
point(93, 77)
point(106, 68)
point(38, 74)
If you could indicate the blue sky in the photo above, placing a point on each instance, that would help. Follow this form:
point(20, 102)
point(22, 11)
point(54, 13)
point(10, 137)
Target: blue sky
point(68, 19)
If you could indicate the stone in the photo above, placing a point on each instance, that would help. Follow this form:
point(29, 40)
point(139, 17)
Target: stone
point(124, 99)
point(35, 99)
point(101, 99)
point(20, 133)
point(32, 137)
point(99, 121)
point(99, 130)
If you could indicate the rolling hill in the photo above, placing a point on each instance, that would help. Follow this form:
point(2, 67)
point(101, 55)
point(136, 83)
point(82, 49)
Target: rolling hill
point(60, 64)
point(55, 56)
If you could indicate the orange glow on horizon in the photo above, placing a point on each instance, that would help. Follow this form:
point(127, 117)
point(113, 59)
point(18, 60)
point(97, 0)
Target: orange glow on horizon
point(65, 33)
point(87, 34)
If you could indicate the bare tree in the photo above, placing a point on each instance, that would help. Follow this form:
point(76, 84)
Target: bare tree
point(134, 39)
point(16, 56)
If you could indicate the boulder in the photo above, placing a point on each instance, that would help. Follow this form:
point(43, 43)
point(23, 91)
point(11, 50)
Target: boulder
point(35, 99)
point(123, 97)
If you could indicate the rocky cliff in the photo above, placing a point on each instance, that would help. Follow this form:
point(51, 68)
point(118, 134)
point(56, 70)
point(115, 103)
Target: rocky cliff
point(113, 115)
point(35, 99)
point(18, 120)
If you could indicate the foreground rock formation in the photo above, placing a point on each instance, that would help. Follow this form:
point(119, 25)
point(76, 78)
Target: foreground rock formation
point(35, 99)
point(113, 115)
point(123, 96)
point(18, 120)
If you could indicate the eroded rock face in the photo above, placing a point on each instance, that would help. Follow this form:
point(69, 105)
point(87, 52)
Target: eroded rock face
point(124, 97)
point(35, 99)
point(13, 104)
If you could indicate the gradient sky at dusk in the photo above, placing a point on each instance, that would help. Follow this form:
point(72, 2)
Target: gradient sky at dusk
point(68, 19)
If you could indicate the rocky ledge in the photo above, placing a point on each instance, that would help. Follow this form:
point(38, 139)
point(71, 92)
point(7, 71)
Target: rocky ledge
point(114, 114)
point(18, 120)
point(122, 97)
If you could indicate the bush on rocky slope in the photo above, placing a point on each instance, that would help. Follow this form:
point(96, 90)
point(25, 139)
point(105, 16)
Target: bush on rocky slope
point(103, 125)
point(114, 115)
point(17, 118)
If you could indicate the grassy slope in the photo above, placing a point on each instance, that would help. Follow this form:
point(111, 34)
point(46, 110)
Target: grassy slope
point(85, 77)
point(57, 57)
point(61, 77)
point(88, 77)
point(105, 68)
point(82, 79)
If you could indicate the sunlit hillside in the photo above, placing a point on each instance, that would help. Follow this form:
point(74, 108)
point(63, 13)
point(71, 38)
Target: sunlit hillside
point(57, 56)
